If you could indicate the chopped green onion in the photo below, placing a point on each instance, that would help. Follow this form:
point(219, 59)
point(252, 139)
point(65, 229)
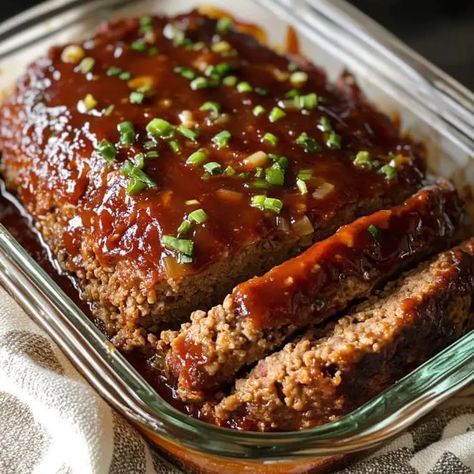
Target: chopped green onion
point(184, 228)
point(174, 145)
point(183, 246)
point(149, 144)
point(363, 159)
point(153, 51)
point(302, 186)
point(108, 110)
point(373, 231)
point(229, 171)
point(243, 175)
point(214, 107)
point(305, 175)
point(152, 154)
point(198, 216)
point(307, 102)
point(86, 65)
point(213, 167)
point(138, 45)
point(229, 81)
point(258, 110)
point(298, 78)
point(270, 139)
point(139, 160)
point(276, 114)
point(113, 71)
point(127, 133)
point(143, 177)
point(308, 143)
point(197, 158)
point(186, 72)
point(261, 91)
point(188, 133)
point(124, 75)
point(333, 140)
point(275, 175)
point(325, 124)
point(259, 173)
point(281, 160)
point(221, 140)
point(127, 168)
point(136, 97)
point(291, 94)
point(160, 128)
point(135, 186)
point(146, 24)
point(389, 171)
point(244, 87)
point(199, 83)
point(218, 71)
point(107, 150)
point(266, 204)
point(223, 24)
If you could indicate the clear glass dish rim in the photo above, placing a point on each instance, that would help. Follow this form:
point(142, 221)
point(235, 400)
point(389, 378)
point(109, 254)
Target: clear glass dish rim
point(124, 388)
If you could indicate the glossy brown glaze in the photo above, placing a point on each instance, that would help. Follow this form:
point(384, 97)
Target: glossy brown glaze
point(49, 138)
point(367, 249)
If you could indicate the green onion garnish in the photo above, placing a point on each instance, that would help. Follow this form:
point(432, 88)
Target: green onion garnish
point(270, 139)
point(363, 159)
point(275, 175)
point(107, 150)
point(136, 97)
point(223, 24)
point(197, 158)
point(244, 87)
point(149, 144)
point(307, 102)
point(139, 160)
point(126, 168)
point(188, 133)
point(127, 133)
point(199, 83)
point(146, 24)
point(333, 140)
point(373, 231)
point(308, 143)
point(281, 160)
point(153, 51)
point(221, 140)
point(152, 154)
point(86, 65)
point(174, 145)
point(301, 185)
point(160, 128)
point(184, 228)
point(138, 45)
point(305, 175)
point(213, 167)
point(186, 72)
point(124, 75)
point(258, 110)
point(389, 171)
point(198, 216)
point(139, 174)
point(229, 171)
point(113, 71)
point(135, 186)
point(276, 114)
point(183, 246)
point(266, 204)
point(292, 93)
point(261, 91)
point(214, 107)
point(324, 124)
point(229, 81)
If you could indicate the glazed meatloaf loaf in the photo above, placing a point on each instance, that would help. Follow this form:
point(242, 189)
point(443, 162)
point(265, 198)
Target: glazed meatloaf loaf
point(164, 160)
point(330, 371)
point(262, 313)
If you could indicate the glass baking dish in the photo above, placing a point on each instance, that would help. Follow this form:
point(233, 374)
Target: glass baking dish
point(429, 105)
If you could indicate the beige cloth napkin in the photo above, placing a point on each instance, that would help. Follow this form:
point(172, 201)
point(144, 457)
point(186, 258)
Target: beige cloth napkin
point(53, 422)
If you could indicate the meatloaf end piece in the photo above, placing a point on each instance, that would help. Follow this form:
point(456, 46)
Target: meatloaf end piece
point(262, 313)
point(329, 372)
point(156, 180)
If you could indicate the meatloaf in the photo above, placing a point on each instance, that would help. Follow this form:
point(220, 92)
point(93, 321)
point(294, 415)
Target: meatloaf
point(330, 371)
point(262, 313)
point(166, 159)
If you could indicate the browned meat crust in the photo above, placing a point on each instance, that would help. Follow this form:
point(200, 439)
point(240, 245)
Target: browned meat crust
point(330, 371)
point(264, 312)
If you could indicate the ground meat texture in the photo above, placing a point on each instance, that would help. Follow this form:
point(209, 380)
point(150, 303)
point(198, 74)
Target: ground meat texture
point(329, 372)
point(97, 140)
point(262, 313)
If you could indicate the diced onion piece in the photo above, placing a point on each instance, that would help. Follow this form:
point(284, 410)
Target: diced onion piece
point(322, 190)
point(229, 195)
point(186, 118)
point(256, 160)
point(303, 227)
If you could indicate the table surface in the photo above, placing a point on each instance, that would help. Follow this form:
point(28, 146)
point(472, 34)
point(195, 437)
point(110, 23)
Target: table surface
point(441, 30)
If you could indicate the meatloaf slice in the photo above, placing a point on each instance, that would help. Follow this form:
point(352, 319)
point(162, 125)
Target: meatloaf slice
point(166, 159)
point(263, 312)
point(329, 372)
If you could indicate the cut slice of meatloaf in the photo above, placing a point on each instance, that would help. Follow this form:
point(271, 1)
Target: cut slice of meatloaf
point(262, 313)
point(166, 159)
point(329, 372)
